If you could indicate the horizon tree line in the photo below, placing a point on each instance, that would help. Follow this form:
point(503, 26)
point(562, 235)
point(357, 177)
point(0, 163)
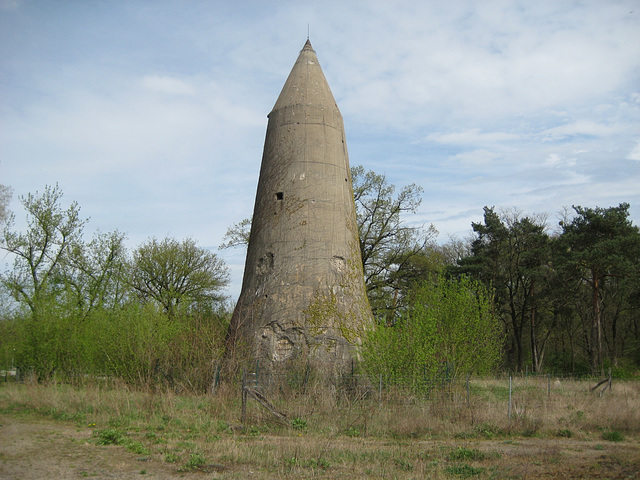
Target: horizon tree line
point(565, 301)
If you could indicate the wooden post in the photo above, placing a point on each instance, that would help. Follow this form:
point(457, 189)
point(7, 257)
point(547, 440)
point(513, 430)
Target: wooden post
point(509, 398)
point(244, 398)
point(468, 375)
point(257, 370)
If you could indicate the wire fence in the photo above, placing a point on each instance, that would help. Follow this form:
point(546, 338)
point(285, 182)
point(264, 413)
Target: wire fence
point(513, 391)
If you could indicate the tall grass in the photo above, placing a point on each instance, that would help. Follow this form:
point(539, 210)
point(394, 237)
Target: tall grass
point(333, 433)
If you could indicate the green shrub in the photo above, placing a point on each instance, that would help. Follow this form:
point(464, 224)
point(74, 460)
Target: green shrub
point(110, 436)
point(137, 448)
point(171, 458)
point(430, 342)
point(612, 436)
point(463, 453)
point(299, 424)
point(195, 462)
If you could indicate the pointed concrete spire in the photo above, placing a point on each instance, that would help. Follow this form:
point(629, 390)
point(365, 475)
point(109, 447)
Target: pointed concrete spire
point(306, 84)
point(303, 294)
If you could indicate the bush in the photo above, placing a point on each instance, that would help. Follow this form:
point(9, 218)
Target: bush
point(612, 436)
point(138, 344)
point(110, 436)
point(448, 330)
point(196, 461)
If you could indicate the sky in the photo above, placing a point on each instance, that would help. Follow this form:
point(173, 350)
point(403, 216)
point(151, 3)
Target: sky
point(152, 114)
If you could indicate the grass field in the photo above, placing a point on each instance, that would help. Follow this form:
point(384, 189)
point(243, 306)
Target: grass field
point(557, 430)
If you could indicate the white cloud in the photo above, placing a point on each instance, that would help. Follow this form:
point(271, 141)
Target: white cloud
point(634, 154)
point(168, 85)
point(580, 128)
point(472, 137)
point(477, 158)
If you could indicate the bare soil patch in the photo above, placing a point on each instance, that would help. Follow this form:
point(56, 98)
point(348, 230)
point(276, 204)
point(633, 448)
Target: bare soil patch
point(38, 448)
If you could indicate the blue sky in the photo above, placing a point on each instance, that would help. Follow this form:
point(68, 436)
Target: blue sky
point(152, 114)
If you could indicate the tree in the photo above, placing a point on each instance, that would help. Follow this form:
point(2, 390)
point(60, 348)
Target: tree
point(176, 274)
point(449, 329)
point(94, 274)
point(5, 198)
point(40, 252)
point(387, 244)
point(237, 235)
point(511, 255)
point(599, 247)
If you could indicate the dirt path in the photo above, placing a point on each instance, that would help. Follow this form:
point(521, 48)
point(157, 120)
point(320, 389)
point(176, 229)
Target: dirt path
point(33, 449)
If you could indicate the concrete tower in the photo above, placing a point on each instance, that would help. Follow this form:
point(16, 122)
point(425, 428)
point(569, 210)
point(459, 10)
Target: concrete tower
point(303, 294)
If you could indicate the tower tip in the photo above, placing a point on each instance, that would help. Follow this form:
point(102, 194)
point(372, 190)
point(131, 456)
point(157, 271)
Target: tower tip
point(307, 46)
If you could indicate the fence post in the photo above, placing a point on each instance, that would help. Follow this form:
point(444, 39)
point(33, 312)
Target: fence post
point(305, 381)
point(468, 375)
point(380, 391)
point(548, 384)
point(509, 397)
point(244, 397)
point(257, 370)
point(216, 379)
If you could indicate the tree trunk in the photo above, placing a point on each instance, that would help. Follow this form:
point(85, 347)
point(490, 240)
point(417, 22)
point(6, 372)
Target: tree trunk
point(535, 360)
point(596, 329)
point(517, 336)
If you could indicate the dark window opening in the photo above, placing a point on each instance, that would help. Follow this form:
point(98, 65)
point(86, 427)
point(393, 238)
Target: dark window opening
point(279, 195)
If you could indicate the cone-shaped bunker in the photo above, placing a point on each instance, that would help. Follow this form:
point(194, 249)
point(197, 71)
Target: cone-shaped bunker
point(303, 294)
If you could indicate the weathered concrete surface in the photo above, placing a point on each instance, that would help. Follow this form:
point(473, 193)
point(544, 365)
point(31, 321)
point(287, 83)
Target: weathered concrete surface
point(303, 293)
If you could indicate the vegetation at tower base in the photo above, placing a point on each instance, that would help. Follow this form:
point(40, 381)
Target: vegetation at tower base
point(448, 330)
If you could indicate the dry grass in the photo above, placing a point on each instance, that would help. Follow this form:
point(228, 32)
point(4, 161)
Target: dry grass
point(571, 432)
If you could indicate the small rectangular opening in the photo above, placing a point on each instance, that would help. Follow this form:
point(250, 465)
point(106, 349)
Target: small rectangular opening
point(280, 196)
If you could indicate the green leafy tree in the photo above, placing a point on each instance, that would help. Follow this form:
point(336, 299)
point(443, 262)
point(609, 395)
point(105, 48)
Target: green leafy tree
point(237, 235)
point(449, 329)
point(43, 335)
point(390, 247)
point(94, 275)
point(40, 252)
point(600, 247)
point(177, 274)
